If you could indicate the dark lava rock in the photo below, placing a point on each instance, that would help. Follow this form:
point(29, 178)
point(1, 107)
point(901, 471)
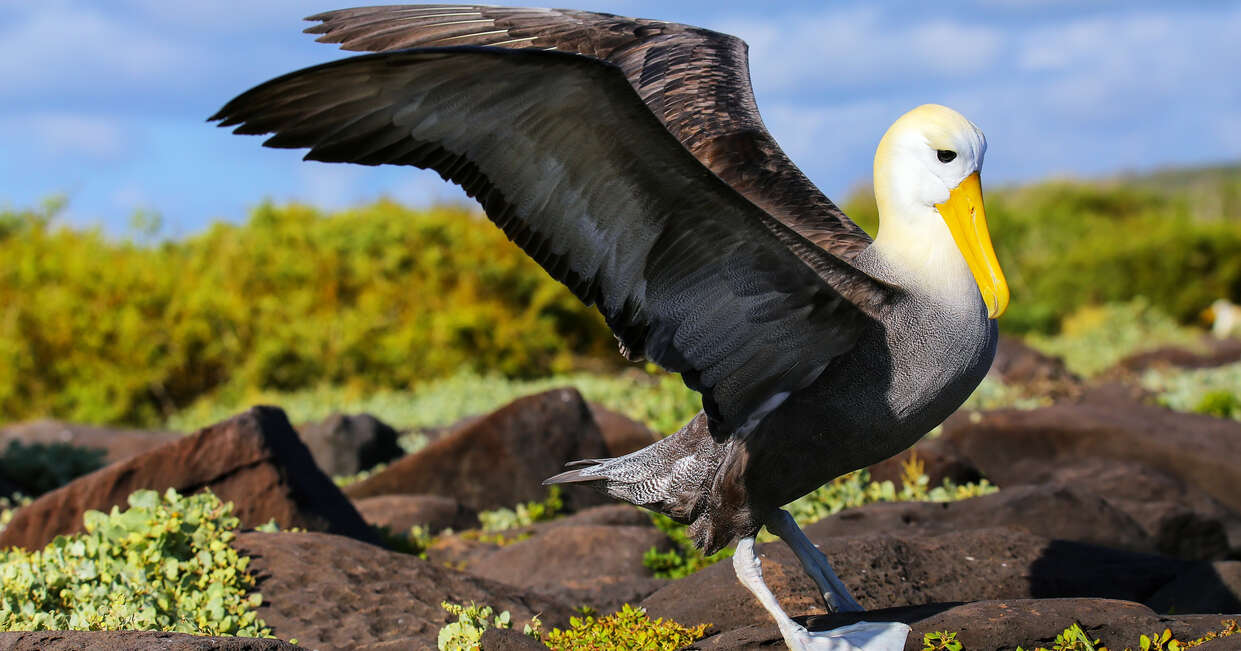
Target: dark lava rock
point(332, 592)
point(347, 444)
point(1017, 364)
point(1214, 588)
point(501, 459)
point(585, 564)
point(507, 639)
point(254, 460)
point(1014, 447)
point(940, 460)
point(118, 444)
point(622, 434)
point(1053, 511)
point(1001, 625)
point(129, 640)
point(399, 513)
point(885, 571)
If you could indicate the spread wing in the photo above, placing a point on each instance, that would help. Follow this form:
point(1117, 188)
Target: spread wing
point(569, 162)
point(696, 81)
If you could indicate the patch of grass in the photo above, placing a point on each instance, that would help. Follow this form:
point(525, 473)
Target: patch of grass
point(660, 400)
point(1215, 391)
point(165, 563)
point(42, 467)
point(523, 515)
point(1095, 338)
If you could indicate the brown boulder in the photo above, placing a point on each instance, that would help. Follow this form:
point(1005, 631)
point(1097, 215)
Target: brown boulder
point(501, 459)
point(1053, 511)
point(118, 444)
point(1214, 588)
point(999, 625)
point(622, 434)
point(596, 565)
point(400, 513)
point(1013, 447)
point(332, 592)
point(126, 640)
point(254, 460)
point(885, 571)
point(1212, 352)
point(346, 444)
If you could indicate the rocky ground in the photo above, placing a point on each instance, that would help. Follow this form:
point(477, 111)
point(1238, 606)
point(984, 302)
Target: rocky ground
point(1112, 512)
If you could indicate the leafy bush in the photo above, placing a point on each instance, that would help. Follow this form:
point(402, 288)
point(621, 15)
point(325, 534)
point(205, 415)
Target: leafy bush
point(523, 515)
point(465, 633)
point(1094, 338)
point(628, 629)
point(162, 564)
point(41, 467)
point(685, 558)
point(660, 400)
point(1214, 391)
point(97, 330)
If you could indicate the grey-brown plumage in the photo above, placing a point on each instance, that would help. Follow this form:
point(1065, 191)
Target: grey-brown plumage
point(627, 157)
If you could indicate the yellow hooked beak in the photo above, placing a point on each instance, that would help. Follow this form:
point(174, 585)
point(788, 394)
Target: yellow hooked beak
point(968, 223)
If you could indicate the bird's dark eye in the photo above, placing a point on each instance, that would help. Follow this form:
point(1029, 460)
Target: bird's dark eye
point(946, 155)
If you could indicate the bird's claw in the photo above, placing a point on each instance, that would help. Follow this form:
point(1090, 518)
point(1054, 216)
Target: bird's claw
point(862, 636)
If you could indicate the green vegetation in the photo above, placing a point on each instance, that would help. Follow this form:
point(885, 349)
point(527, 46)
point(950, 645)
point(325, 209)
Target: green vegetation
point(1214, 391)
point(162, 564)
point(96, 330)
point(1094, 338)
point(626, 629)
point(523, 515)
point(685, 558)
point(1074, 638)
point(40, 467)
point(660, 400)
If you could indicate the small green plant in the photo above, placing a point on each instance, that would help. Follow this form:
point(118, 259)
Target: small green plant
point(162, 564)
point(941, 641)
point(9, 505)
point(523, 515)
point(415, 542)
point(1220, 403)
point(628, 629)
point(465, 633)
point(1160, 642)
point(41, 467)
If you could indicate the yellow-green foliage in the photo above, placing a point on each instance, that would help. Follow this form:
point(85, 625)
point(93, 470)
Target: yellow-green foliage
point(1214, 391)
point(93, 329)
point(628, 629)
point(162, 564)
point(523, 515)
point(660, 400)
point(685, 558)
point(1075, 638)
point(465, 633)
point(1065, 245)
point(1094, 338)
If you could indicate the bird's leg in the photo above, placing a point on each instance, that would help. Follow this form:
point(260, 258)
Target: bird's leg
point(836, 596)
point(862, 636)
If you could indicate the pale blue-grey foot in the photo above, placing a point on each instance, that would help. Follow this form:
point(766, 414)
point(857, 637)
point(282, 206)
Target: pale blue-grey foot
point(862, 636)
point(836, 596)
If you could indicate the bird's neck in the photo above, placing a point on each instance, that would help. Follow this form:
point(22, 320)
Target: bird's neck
point(915, 250)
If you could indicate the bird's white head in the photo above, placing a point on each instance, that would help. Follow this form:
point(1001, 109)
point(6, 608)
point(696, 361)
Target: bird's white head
point(931, 217)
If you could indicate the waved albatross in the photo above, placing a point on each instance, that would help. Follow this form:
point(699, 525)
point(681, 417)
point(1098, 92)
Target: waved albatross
point(628, 158)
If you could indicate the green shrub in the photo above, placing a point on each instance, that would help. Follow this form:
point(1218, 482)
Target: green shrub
point(685, 558)
point(41, 467)
point(162, 564)
point(97, 330)
point(1215, 391)
point(628, 629)
point(523, 515)
point(465, 633)
point(1094, 338)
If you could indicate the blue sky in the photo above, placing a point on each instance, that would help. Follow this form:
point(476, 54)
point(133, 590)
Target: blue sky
point(105, 102)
